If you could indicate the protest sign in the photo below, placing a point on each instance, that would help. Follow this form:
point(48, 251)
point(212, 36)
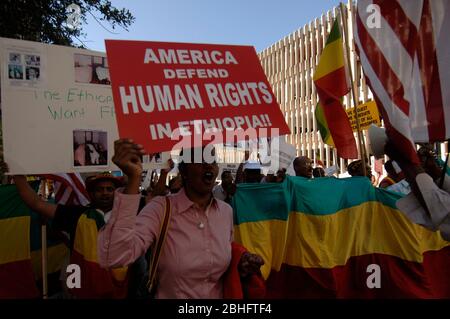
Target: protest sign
point(278, 155)
point(330, 171)
point(57, 109)
point(168, 92)
point(367, 114)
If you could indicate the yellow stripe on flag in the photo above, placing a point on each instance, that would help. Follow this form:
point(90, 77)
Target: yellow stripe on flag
point(86, 244)
point(330, 240)
point(271, 240)
point(56, 256)
point(331, 59)
point(86, 238)
point(327, 241)
point(14, 239)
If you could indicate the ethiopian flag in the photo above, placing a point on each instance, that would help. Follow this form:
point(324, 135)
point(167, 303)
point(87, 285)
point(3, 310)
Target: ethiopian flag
point(17, 279)
point(20, 249)
point(339, 238)
point(332, 83)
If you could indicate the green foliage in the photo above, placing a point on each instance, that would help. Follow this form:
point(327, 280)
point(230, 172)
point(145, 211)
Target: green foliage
point(46, 20)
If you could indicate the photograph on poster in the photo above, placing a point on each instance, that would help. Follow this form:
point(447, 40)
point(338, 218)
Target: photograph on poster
point(91, 69)
point(32, 73)
point(14, 58)
point(33, 60)
point(15, 72)
point(90, 148)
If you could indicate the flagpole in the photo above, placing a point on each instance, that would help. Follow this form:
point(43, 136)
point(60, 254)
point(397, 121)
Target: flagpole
point(362, 147)
point(44, 249)
point(44, 261)
point(337, 160)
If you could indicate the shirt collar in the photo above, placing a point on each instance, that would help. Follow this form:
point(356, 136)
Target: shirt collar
point(184, 203)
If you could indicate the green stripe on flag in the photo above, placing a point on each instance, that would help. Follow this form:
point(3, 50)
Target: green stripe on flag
point(320, 196)
point(272, 202)
point(11, 205)
point(335, 33)
point(322, 125)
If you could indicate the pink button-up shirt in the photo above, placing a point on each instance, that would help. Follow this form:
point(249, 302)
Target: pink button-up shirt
point(194, 258)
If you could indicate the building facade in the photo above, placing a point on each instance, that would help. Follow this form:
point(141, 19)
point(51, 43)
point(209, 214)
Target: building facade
point(290, 65)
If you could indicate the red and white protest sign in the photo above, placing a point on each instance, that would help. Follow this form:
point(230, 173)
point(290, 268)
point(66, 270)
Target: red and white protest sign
point(164, 92)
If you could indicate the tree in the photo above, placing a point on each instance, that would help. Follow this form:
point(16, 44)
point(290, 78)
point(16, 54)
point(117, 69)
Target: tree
point(46, 20)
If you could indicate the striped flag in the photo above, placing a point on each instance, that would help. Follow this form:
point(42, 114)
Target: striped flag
point(69, 189)
point(404, 51)
point(320, 238)
point(17, 279)
point(331, 81)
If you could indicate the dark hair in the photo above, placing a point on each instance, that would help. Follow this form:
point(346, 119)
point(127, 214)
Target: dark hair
point(222, 176)
point(318, 172)
point(389, 167)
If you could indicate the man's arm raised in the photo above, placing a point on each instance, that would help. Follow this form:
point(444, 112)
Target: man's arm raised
point(31, 199)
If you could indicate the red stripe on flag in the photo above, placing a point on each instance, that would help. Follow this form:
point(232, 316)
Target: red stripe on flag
point(405, 30)
point(405, 145)
point(69, 188)
point(335, 115)
point(399, 278)
point(382, 69)
point(429, 70)
point(333, 85)
point(80, 186)
point(59, 193)
point(17, 280)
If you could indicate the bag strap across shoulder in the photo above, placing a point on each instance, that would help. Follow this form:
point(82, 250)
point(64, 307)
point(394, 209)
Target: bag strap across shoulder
point(157, 249)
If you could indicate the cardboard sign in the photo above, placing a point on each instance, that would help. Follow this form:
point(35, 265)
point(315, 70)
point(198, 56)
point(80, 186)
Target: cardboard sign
point(57, 109)
point(168, 92)
point(280, 155)
point(330, 171)
point(367, 114)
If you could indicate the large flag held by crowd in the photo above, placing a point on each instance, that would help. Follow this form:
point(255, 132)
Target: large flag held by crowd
point(404, 51)
point(332, 83)
point(327, 237)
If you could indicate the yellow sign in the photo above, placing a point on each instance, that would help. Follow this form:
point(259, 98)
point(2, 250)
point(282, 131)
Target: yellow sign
point(367, 114)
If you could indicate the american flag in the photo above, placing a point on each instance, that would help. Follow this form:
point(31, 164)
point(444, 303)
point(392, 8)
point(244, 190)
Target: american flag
point(69, 189)
point(405, 54)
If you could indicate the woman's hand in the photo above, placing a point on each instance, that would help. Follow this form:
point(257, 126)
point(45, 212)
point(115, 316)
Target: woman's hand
point(127, 156)
point(250, 264)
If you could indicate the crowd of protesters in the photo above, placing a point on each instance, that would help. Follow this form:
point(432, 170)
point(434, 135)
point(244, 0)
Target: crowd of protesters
point(198, 245)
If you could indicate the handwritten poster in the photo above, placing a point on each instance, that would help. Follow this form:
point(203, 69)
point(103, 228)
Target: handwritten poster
point(57, 108)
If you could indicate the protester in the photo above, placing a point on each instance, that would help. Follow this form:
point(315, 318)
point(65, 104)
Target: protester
point(76, 221)
point(175, 184)
point(427, 204)
point(281, 175)
point(318, 172)
point(197, 249)
point(356, 168)
point(252, 172)
point(303, 167)
point(392, 176)
point(226, 189)
point(428, 160)
point(159, 187)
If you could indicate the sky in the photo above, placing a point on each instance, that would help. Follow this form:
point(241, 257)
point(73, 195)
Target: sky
point(259, 23)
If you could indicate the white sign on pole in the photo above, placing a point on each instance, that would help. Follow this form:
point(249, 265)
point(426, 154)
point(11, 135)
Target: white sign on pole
point(57, 109)
point(278, 155)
